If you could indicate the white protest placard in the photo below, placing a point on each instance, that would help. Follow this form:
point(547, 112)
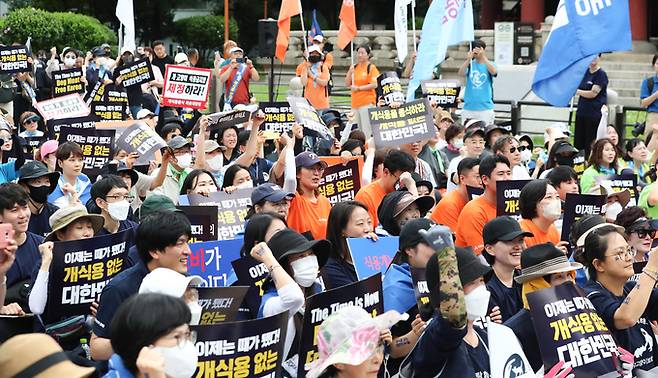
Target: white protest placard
point(68, 106)
point(186, 87)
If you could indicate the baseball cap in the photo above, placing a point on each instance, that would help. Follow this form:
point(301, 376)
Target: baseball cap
point(144, 113)
point(235, 49)
point(565, 147)
point(409, 235)
point(105, 46)
point(48, 147)
point(315, 48)
point(308, 159)
point(154, 203)
point(180, 57)
point(168, 282)
point(98, 51)
point(503, 228)
point(126, 49)
point(270, 192)
point(179, 142)
point(210, 145)
point(490, 128)
point(471, 131)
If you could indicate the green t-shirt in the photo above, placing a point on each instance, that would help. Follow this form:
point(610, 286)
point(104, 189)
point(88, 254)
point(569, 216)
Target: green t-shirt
point(643, 202)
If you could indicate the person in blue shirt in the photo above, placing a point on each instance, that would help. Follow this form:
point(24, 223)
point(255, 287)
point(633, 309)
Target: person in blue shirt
point(592, 93)
point(73, 185)
point(9, 142)
point(162, 242)
point(478, 94)
point(649, 95)
point(35, 178)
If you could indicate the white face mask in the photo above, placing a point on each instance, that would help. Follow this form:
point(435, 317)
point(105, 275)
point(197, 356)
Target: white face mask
point(477, 302)
point(457, 143)
point(526, 155)
point(613, 210)
point(215, 163)
point(184, 161)
point(553, 210)
point(245, 185)
point(305, 270)
point(118, 210)
point(180, 362)
point(196, 310)
point(69, 62)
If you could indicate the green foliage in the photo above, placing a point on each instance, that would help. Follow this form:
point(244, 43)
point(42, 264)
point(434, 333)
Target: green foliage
point(59, 29)
point(205, 33)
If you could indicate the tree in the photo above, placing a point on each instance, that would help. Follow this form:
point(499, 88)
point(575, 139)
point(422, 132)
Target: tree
point(206, 33)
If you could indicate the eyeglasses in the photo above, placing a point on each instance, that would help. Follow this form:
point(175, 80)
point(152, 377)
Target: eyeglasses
point(187, 336)
point(622, 253)
point(643, 233)
point(520, 148)
point(120, 197)
point(31, 120)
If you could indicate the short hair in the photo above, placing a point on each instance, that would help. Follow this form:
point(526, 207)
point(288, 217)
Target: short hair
point(466, 164)
point(243, 137)
point(256, 229)
point(190, 181)
point(105, 185)
point(628, 216)
point(630, 145)
point(501, 142)
point(223, 130)
point(561, 174)
point(364, 46)
point(489, 163)
point(596, 157)
point(230, 173)
point(160, 229)
point(531, 194)
point(653, 60)
point(454, 130)
point(479, 43)
point(141, 320)
point(351, 144)
point(12, 194)
point(399, 161)
point(157, 43)
point(168, 128)
point(358, 135)
point(67, 149)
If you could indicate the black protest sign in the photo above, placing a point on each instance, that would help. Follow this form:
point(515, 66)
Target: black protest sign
point(203, 220)
point(31, 143)
point(474, 192)
point(55, 126)
point(220, 304)
point(252, 348)
point(621, 182)
point(14, 59)
point(420, 287)
point(507, 197)
point(278, 117)
point(340, 182)
point(444, 92)
point(569, 329)
point(232, 210)
point(390, 88)
point(577, 206)
point(366, 294)
point(142, 139)
point(638, 267)
point(96, 94)
point(579, 163)
point(79, 271)
point(251, 273)
point(113, 106)
point(96, 147)
point(409, 123)
point(234, 118)
point(67, 82)
point(136, 73)
point(307, 116)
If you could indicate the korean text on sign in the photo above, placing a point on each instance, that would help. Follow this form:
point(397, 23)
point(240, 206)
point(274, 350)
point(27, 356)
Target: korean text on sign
point(186, 87)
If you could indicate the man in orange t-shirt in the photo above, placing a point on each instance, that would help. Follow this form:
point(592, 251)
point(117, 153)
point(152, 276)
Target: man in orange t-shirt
point(447, 211)
point(397, 167)
point(482, 209)
point(315, 77)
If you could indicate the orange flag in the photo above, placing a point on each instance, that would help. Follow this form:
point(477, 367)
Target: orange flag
point(289, 8)
point(347, 28)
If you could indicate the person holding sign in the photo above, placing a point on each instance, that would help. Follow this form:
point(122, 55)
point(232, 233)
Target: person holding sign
point(602, 162)
point(361, 78)
point(448, 209)
point(35, 178)
point(481, 210)
point(315, 77)
point(73, 185)
point(8, 142)
point(540, 207)
point(565, 180)
point(626, 307)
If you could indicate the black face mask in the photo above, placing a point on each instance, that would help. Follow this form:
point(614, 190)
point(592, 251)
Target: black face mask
point(313, 59)
point(39, 194)
point(564, 161)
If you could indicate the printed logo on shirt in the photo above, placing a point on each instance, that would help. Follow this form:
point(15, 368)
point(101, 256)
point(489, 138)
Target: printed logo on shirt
point(478, 78)
point(514, 367)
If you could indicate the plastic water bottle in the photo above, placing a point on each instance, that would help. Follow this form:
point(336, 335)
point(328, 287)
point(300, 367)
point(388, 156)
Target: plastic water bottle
point(85, 346)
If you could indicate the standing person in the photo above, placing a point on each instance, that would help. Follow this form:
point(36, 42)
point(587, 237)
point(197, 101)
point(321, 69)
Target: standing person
point(478, 95)
point(73, 185)
point(236, 76)
point(361, 78)
point(134, 92)
point(540, 207)
point(315, 78)
point(98, 70)
point(447, 210)
point(649, 95)
point(161, 59)
point(602, 161)
point(35, 178)
point(481, 210)
point(592, 93)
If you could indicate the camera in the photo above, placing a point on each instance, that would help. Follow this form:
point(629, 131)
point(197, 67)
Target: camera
point(240, 60)
point(638, 129)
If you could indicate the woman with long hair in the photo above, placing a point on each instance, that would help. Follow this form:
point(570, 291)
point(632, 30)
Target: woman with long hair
point(602, 161)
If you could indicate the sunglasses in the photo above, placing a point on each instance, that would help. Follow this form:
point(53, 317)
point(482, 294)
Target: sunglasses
point(644, 233)
point(30, 120)
point(520, 148)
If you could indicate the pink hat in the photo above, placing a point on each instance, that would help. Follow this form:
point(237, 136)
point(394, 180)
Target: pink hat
point(48, 148)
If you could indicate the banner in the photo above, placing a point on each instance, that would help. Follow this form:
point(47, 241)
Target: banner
point(203, 220)
point(186, 87)
point(14, 59)
point(114, 104)
point(579, 163)
point(80, 270)
point(372, 257)
point(97, 146)
point(621, 182)
point(577, 206)
point(136, 73)
point(234, 118)
point(211, 260)
point(340, 182)
point(232, 210)
point(251, 273)
point(96, 94)
point(474, 192)
point(389, 87)
point(421, 289)
point(306, 115)
point(444, 92)
point(366, 294)
point(142, 139)
point(55, 126)
point(252, 348)
point(220, 304)
point(67, 82)
point(569, 329)
point(507, 197)
point(278, 117)
point(506, 357)
point(409, 123)
point(33, 142)
point(68, 106)
point(401, 31)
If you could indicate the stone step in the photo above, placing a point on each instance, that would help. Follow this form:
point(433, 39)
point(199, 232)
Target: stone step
point(625, 74)
point(627, 92)
point(625, 83)
point(627, 57)
point(626, 66)
point(628, 101)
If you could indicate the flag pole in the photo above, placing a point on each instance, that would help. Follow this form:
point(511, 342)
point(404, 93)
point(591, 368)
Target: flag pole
point(304, 37)
point(120, 36)
point(352, 59)
point(413, 22)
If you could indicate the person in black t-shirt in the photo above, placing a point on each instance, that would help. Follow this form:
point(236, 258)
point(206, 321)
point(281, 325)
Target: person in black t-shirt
point(35, 178)
point(503, 244)
point(592, 93)
point(160, 58)
point(112, 196)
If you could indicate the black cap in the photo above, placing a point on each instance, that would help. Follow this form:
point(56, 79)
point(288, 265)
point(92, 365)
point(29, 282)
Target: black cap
point(503, 228)
point(493, 126)
point(471, 131)
point(289, 242)
point(563, 146)
point(409, 235)
point(35, 169)
point(120, 168)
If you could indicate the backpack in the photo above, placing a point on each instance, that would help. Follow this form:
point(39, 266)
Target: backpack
point(650, 85)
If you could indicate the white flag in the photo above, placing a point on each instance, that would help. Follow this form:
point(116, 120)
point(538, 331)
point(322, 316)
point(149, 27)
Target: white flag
point(400, 21)
point(506, 357)
point(126, 16)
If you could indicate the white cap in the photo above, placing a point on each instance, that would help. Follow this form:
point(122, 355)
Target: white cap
point(143, 113)
point(180, 58)
point(168, 282)
point(235, 49)
point(126, 49)
point(315, 48)
point(318, 38)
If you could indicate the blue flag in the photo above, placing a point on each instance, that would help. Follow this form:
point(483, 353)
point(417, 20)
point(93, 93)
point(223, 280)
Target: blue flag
point(581, 30)
point(315, 29)
point(451, 23)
